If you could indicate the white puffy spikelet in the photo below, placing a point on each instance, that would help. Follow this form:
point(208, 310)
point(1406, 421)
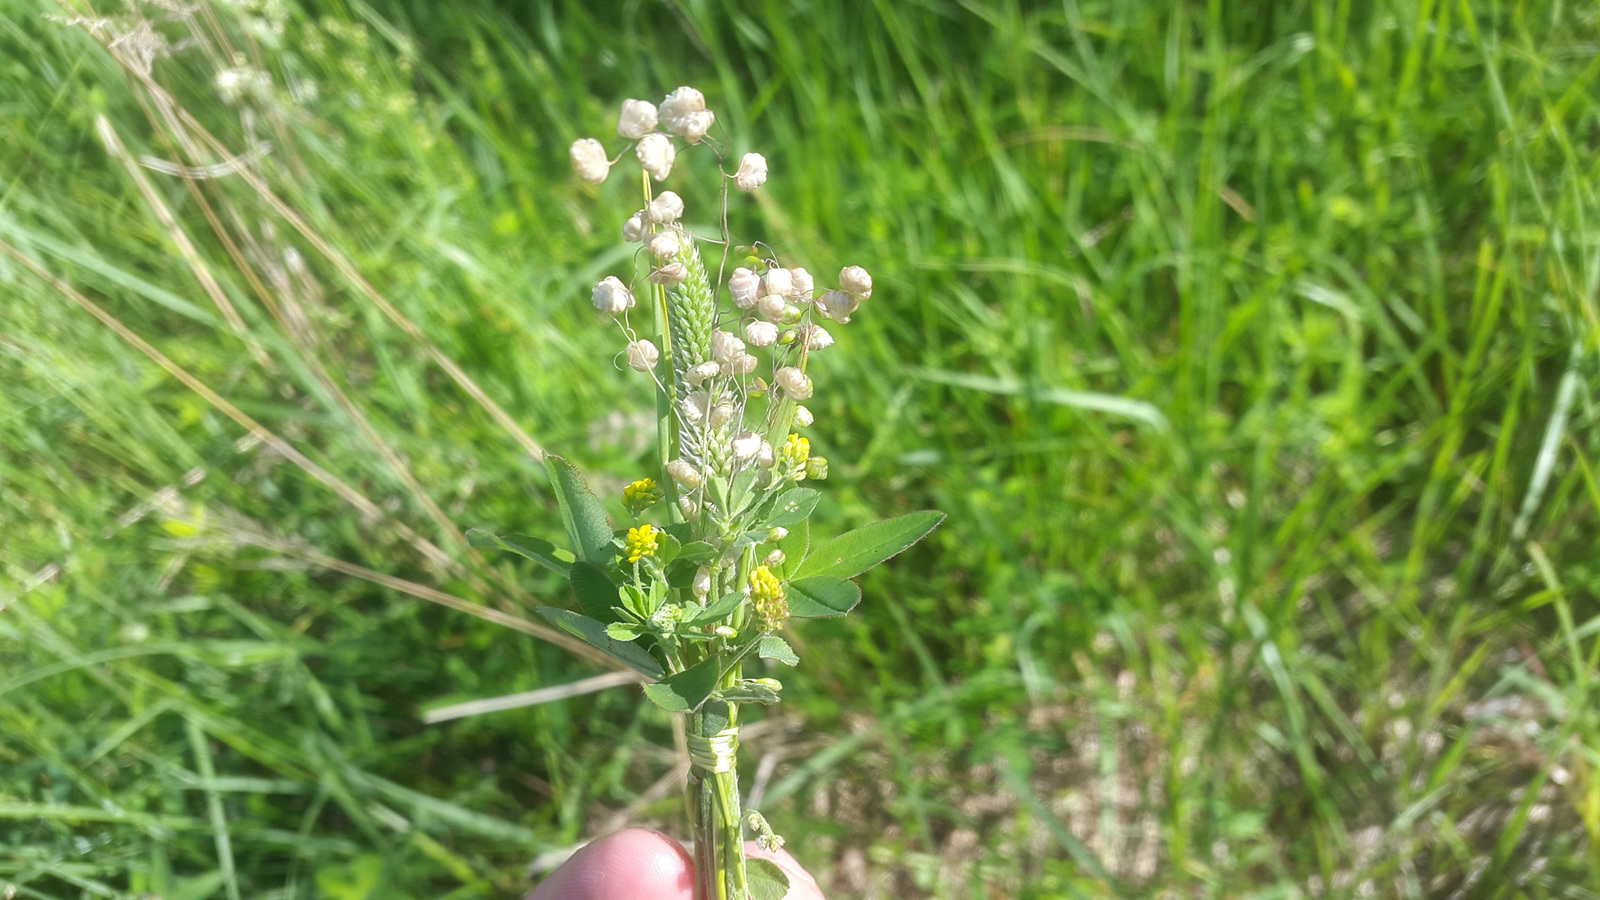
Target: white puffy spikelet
point(814, 337)
point(633, 229)
point(656, 154)
point(856, 282)
point(637, 120)
point(761, 334)
point(665, 245)
point(745, 286)
point(752, 172)
point(700, 374)
point(838, 305)
point(743, 364)
point(746, 445)
point(684, 474)
point(802, 417)
point(642, 355)
point(773, 306)
point(665, 209)
point(794, 382)
point(612, 296)
point(803, 283)
point(589, 160)
point(694, 126)
point(778, 281)
point(725, 345)
point(676, 108)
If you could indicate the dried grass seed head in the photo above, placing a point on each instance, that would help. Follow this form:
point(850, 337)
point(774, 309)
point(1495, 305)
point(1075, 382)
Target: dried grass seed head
point(612, 296)
point(752, 172)
point(656, 155)
point(637, 120)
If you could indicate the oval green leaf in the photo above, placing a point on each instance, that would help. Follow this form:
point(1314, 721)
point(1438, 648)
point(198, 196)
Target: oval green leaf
point(581, 512)
point(685, 691)
point(792, 506)
point(594, 634)
point(854, 552)
point(774, 647)
point(537, 549)
point(822, 597)
point(717, 611)
point(597, 595)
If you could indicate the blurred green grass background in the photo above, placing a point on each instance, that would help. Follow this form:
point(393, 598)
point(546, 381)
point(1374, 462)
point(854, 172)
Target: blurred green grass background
point(1250, 347)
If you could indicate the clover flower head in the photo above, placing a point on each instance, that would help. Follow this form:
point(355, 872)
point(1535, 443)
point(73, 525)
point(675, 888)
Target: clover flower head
point(767, 595)
point(612, 296)
point(642, 355)
point(642, 541)
point(641, 495)
point(656, 155)
point(794, 382)
point(796, 450)
point(589, 160)
point(752, 172)
point(637, 120)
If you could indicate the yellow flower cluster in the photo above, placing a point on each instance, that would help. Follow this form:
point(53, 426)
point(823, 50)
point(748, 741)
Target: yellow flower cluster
point(766, 593)
point(792, 458)
point(641, 542)
point(642, 494)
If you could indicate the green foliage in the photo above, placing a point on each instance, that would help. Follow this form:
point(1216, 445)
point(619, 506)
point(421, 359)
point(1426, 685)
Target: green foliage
point(1251, 349)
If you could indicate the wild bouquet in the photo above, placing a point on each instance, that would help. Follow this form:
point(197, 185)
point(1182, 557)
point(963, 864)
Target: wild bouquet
point(717, 555)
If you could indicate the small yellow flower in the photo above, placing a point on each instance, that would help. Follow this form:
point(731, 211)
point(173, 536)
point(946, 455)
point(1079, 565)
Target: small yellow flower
point(766, 592)
point(642, 541)
point(792, 458)
point(641, 495)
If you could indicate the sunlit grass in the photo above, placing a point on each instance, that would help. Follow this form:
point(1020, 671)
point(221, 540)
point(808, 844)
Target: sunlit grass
point(1252, 355)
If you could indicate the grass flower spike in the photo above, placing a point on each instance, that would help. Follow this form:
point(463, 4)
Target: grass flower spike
point(700, 586)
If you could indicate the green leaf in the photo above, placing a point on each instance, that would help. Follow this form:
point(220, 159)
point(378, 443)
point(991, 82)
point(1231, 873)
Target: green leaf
point(594, 634)
point(795, 548)
point(774, 647)
point(581, 512)
point(537, 549)
point(792, 506)
point(822, 597)
point(697, 552)
point(854, 552)
point(686, 690)
point(765, 880)
point(717, 611)
point(749, 692)
point(624, 631)
point(597, 595)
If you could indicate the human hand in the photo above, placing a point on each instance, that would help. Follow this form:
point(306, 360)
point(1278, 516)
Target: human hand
point(637, 864)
